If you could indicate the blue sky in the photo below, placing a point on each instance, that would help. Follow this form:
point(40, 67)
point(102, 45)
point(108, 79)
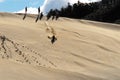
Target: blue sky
point(16, 5)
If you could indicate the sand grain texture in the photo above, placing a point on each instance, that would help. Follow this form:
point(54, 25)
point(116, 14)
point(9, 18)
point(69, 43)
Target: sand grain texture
point(84, 50)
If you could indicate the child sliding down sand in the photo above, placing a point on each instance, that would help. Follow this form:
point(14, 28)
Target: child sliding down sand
point(51, 33)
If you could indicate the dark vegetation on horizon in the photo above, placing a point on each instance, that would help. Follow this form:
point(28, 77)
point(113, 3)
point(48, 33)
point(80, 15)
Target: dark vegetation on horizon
point(105, 11)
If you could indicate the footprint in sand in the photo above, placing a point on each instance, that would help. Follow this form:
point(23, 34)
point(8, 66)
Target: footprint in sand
point(20, 52)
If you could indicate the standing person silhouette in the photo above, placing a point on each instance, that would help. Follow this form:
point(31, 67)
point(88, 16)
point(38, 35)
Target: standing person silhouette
point(53, 14)
point(25, 13)
point(38, 15)
point(41, 15)
point(39, 10)
point(26, 9)
point(56, 14)
point(49, 14)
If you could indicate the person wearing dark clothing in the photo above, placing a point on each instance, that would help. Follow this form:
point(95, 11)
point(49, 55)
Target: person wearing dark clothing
point(38, 15)
point(37, 18)
point(41, 15)
point(53, 17)
point(39, 10)
point(53, 14)
point(25, 13)
point(56, 14)
point(26, 9)
point(53, 39)
point(49, 14)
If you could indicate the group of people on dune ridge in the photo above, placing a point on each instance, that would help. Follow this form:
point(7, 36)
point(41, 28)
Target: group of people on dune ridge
point(54, 14)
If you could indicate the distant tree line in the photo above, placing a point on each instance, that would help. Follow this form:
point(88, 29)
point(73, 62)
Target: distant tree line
point(78, 10)
point(106, 13)
point(98, 11)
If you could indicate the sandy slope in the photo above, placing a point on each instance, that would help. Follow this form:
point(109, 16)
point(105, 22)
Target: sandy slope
point(84, 50)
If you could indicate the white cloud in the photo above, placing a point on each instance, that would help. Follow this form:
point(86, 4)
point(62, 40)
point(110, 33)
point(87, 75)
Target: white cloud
point(30, 10)
point(1, 0)
point(53, 4)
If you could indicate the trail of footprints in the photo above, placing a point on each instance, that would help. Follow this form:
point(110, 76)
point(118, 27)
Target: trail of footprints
point(21, 53)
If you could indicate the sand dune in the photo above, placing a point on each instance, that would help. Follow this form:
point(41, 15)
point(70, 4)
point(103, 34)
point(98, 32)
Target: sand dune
point(84, 50)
